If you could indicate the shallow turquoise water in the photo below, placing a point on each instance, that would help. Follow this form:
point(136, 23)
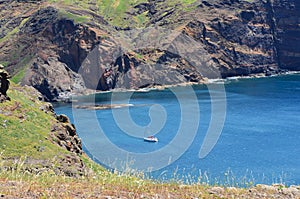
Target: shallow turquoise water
point(260, 141)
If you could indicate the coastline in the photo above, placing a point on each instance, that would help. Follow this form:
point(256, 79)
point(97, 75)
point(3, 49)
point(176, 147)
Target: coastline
point(105, 184)
point(243, 77)
point(90, 92)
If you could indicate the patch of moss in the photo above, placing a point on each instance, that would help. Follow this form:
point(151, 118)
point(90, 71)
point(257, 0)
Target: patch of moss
point(9, 34)
point(4, 63)
point(77, 19)
point(114, 11)
point(187, 2)
point(13, 32)
point(17, 78)
point(141, 19)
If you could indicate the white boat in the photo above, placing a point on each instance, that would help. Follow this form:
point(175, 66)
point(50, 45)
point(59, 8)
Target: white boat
point(150, 139)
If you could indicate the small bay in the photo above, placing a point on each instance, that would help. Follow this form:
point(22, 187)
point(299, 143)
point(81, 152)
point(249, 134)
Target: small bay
point(259, 143)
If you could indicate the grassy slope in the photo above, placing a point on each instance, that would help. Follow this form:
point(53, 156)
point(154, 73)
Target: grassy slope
point(116, 12)
point(24, 128)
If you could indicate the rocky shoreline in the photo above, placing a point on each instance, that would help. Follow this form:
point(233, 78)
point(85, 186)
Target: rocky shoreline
point(73, 98)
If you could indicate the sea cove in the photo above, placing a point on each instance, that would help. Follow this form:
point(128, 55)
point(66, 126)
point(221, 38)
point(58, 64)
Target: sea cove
point(259, 142)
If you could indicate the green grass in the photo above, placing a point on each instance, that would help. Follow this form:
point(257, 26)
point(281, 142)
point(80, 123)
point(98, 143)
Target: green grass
point(76, 18)
point(17, 78)
point(104, 184)
point(24, 128)
point(13, 32)
point(187, 2)
point(116, 11)
point(4, 63)
point(141, 19)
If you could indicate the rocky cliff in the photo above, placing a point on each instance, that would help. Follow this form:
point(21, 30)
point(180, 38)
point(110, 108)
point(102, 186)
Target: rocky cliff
point(286, 16)
point(31, 133)
point(62, 48)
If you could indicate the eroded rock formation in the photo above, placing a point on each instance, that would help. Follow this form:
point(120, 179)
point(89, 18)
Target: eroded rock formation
point(212, 39)
point(4, 84)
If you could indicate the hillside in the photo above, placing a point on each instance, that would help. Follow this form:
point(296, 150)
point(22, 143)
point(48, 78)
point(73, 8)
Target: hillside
point(102, 45)
point(32, 135)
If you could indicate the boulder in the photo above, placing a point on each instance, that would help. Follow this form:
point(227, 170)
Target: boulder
point(4, 84)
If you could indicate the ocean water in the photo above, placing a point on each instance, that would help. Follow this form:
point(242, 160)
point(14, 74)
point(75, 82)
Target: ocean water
point(258, 143)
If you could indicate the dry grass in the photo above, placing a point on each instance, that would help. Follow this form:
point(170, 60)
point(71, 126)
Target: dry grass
point(104, 184)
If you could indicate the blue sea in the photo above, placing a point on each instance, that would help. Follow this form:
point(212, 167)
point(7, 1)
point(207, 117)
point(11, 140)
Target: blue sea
point(236, 132)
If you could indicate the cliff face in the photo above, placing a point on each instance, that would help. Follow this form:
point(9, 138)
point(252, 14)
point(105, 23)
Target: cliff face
point(238, 37)
point(287, 32)
point(33, 134)
point(61, 49)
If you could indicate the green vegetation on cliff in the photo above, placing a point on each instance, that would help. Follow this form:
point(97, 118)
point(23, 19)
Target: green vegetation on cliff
point(25, 128)
point(120, 13)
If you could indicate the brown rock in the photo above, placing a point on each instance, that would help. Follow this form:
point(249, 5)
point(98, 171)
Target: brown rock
point(63, 118)
point(64, 134)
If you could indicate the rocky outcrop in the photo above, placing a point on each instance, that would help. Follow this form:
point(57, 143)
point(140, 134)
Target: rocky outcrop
point(54, 79)
point(53, 48)
point(4, 84)
point(125, 70)
point(64, 134)
point(159, 67)
point(240, 41)
point(62, 46)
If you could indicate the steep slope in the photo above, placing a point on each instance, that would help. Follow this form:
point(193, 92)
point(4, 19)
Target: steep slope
point(135, 44)
point(286, 15)
point(31, 135)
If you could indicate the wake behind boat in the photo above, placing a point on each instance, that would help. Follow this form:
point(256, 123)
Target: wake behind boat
point(150, 139)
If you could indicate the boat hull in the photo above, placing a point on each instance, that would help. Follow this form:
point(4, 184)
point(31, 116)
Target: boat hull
point(150, 139)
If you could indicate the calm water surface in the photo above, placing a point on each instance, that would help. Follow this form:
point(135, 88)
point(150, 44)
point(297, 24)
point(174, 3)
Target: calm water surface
point(260, 141)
